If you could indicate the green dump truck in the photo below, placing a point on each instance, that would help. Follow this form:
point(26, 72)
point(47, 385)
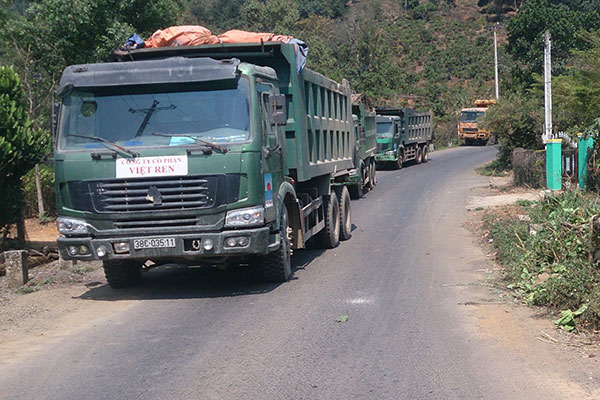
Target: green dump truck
point(403, 135)
point(362, 177)
point(212, 154)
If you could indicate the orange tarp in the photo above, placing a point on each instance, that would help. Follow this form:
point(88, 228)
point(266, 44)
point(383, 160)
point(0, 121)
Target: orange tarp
point(195, 35)
point(185, 35)
point(237, 36)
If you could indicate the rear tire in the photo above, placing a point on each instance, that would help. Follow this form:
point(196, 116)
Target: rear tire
point(425, 153)
point(277, 266)
point(345, 213)
point(122, 274)
point(419, 155)
point(329, 237)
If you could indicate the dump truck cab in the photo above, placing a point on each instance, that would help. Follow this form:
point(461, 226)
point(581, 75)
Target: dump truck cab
point(166, 159)
point(472, 127)
point(388, 138)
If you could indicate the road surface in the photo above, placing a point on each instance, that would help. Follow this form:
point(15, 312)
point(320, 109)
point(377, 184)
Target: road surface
point(402, 280)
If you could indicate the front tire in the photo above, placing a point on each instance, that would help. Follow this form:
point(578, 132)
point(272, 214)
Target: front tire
point(400, 161)
point(329, 236)
point(372, 176)
point(277, 266)
point(122, 274)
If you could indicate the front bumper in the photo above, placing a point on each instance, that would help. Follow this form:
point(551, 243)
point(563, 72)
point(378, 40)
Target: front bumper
point(385, 157)
point(261, 241)
point(479, 135)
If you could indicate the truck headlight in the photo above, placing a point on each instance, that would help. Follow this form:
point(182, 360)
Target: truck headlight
point(245, 217)
point(389, 153)
point(71, 226)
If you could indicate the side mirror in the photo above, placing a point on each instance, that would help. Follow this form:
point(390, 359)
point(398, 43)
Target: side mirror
point(54, 118)
point(278, 110)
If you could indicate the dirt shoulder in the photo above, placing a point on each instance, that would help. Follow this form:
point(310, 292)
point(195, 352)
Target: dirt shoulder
point(570, 360)
point(51, 306)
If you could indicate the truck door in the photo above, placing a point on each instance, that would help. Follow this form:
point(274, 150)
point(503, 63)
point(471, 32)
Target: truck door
point(272, 150)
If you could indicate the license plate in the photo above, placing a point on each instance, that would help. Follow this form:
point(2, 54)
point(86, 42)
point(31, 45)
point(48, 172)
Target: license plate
point(156, 243)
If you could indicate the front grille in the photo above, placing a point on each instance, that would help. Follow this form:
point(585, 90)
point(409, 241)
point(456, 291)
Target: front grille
point(160, 194)
point(181, 193)
point(382, 146)
point(469, 129)
point(161, 222)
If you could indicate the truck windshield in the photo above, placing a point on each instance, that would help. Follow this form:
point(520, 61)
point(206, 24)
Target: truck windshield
point(137, 119)
point(384, 129)
point(471, 116)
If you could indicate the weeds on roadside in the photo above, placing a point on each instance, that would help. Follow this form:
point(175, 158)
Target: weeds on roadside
point(493, 168)
point(549, 254)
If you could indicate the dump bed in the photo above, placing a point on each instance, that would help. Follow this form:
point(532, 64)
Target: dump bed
point(319, 137)
point(417, 127)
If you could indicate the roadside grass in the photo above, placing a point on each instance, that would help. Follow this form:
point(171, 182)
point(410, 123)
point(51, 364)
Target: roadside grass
point(547, 248)
point(493, 168)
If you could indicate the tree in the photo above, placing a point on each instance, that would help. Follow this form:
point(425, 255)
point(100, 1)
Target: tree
point(576, 94)
point(277, 16)
point(565, 19)
point(21, 147)
point(516, 121)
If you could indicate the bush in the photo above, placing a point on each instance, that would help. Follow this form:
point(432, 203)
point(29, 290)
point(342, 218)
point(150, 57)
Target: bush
point(21, 146)
point(550, 258)
point(516, 121)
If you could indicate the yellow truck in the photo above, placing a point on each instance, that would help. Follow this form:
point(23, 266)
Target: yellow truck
point(472, 128)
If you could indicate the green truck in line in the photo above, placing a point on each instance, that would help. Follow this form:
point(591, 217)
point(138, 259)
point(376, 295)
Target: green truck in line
point(362, 177)
point(403, 135)
point(211, 154)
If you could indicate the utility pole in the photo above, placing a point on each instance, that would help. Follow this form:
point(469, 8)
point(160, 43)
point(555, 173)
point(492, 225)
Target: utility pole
point(553, 146)
point(547, 85)
point(496, 60)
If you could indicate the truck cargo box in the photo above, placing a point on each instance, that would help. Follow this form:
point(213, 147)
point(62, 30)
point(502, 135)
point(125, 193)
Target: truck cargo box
point(417, 127)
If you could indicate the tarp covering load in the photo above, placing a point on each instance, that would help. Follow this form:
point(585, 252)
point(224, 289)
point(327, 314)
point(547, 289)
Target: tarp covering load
point(195, 35)
point(186, 35)
point(237, 36)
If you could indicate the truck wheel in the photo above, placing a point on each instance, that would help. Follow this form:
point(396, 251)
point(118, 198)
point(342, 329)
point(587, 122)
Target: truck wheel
point(122, 274)
point(374, 180)
point(345, 214)
point(277, 266)
point(372, 176)
point(329, 237)
point(356, 191)
point(419, 155)
point(400, 161)
point(425, 153)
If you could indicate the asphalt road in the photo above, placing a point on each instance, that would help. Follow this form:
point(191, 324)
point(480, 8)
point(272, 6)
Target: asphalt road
point(211, 334)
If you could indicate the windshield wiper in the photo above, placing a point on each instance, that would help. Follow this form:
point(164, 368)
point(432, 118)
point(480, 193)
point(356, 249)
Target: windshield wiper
point(195, 139)
point(109, 142)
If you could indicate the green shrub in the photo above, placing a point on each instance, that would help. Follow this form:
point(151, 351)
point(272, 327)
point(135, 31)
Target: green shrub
point(549, 259)
point(21, 146)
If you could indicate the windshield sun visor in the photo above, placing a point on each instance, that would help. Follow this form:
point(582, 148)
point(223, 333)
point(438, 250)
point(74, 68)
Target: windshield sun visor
point(170, 70)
